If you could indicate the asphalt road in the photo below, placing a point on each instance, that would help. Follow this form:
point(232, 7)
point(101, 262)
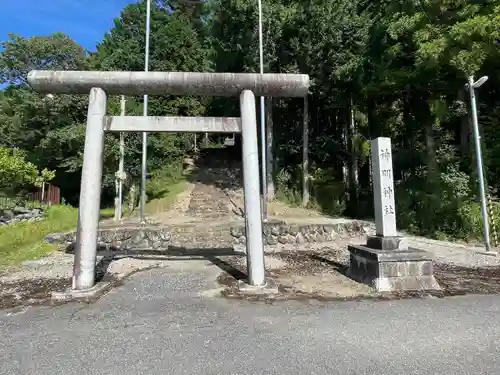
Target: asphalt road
point(167, 321)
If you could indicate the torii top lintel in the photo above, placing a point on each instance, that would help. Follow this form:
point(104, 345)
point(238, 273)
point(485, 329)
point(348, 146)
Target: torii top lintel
point(169, 83)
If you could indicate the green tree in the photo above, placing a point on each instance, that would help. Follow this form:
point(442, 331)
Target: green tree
point(31, 120)
point(21, 55)
point(175, 45)
point(378, 68)
point(15, 170)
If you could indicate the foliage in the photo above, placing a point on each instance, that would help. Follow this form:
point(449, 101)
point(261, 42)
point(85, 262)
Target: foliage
point(378, 68)
point(15, 170)
point(45, 176)
point(286, 187)
point(56, 51)
point(175, 46)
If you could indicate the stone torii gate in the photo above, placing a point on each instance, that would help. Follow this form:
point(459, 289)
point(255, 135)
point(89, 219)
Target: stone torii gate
point(98, 85)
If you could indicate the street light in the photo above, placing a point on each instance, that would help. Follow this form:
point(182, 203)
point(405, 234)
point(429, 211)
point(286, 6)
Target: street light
point(145, 113)
point(479, 82)
point(471, 85)
point(262, 121)
point(120, 174)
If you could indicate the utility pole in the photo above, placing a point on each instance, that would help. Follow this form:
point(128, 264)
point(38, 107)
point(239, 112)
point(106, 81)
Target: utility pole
point(305, 155)
point(121, 165)
point(262, 122)
point(120, 175)
point(145, 113)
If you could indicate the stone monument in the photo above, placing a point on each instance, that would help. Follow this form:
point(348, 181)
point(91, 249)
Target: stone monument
point(386, 262)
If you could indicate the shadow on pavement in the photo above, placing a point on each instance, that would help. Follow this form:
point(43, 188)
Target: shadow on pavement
point(173, 253)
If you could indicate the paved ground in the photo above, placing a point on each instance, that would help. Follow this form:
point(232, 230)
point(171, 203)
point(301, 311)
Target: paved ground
point(173, 320)
point(170, 321)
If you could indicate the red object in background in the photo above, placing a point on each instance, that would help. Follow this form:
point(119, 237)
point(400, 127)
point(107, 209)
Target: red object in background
point(52, 195)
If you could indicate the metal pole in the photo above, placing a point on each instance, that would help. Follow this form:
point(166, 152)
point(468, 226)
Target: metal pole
point(121, 165)
point(145, 113)
point(271, 194)
point(253, 221)
point(117, 193)
point(305, 155)
point(90, 193)
point(479, 157)
point(262, 122)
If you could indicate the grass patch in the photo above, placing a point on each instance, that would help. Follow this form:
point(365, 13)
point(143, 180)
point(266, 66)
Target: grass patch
point(166, 199)
point(164, 187)
point(24, 241)
point(29, 252)
point(108, 213)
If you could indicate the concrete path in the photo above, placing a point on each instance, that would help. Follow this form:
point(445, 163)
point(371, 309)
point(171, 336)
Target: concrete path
point(170, 321)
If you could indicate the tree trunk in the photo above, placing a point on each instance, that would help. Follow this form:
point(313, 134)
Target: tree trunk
point(405, 167)
point(353, 165)
point(431, 148)
point(43, 191)
point(117, 200)
point(430, 144)
point(345, 160)
point(50, 203)
point(373, 132)
point(425, 116)
point(131, 203)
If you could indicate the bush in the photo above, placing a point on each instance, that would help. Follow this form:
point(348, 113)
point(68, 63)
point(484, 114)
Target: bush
point(286, 190)
point(442, 209)
point(327, 194)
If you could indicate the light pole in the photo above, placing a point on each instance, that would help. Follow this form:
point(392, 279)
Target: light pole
point(48, 97)
point(145, 113)
point(121, 172)
point(262, 122)
point(471, 85)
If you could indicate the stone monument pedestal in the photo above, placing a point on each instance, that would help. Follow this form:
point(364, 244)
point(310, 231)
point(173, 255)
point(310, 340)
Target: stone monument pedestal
point(386, 262)
point(389, 270)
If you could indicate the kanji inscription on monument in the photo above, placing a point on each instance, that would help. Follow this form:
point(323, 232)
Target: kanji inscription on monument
point(383, 187)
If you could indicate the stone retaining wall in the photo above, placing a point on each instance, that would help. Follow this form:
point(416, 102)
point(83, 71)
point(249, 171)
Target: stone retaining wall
point(120, 238)
point(286, 233)
point(193, 236)
point(20, 214)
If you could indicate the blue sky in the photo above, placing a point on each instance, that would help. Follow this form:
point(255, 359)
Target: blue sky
point(85, 21)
